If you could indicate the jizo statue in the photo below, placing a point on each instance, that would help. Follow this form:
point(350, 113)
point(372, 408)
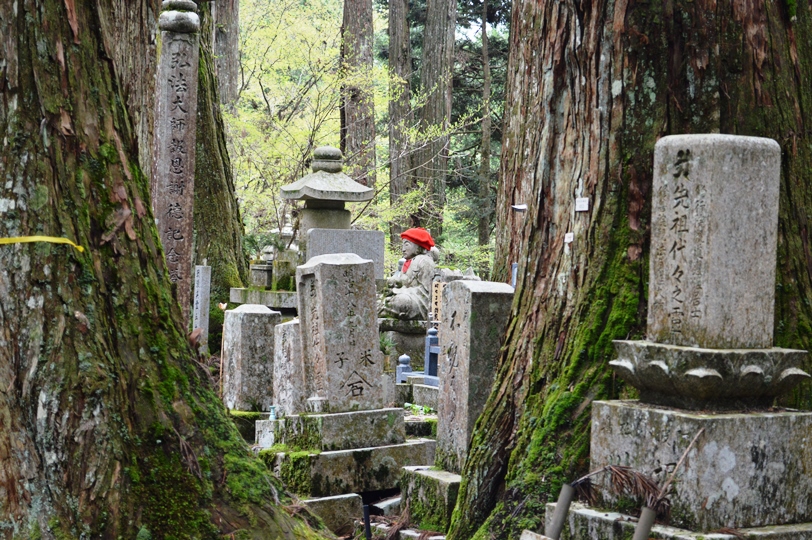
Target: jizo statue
point(408, 292)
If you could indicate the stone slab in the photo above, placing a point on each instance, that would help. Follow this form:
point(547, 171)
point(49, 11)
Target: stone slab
point(365, 244)
point(272, 299)
point(350, 471)
point(421, 426)
point(201, 302)
point(714, 225)
point(471, 332)
point(339, 329)
point(337, 431)
point(289, 387)
point(431, 495)
point(426, 395)
point(587, 524)
point(389, 507)
point(248, 354)
point(338, 512)
point(746, 470)
point(412, 345)
point(404, 327)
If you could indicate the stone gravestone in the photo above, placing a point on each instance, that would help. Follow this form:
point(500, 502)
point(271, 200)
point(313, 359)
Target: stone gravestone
point(248, 357)
point(714, 230)
point(475, 314)
point(173, 165)
point(288, 366)
point(714, 227)
point(202, 302)
point(365, 244)
point(338, 318)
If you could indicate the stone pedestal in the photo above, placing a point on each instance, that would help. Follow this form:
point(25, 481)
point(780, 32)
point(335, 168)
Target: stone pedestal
point(340, 344)
point(337, 431)
point(348, 471)
point(471, 332)
point(746, 470)
point(248, 354)
point(273, 299)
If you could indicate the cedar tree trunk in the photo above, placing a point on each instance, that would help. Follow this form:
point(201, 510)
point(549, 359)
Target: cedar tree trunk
point(226, 30)
point(484, 224)
point(108, 426)
point(592, 86)
point(400, 116)
point(430, 156)
point(357, 106)
point(218, 226)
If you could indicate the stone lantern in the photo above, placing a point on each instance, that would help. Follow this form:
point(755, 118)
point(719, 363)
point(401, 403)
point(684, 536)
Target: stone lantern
point(324, 192)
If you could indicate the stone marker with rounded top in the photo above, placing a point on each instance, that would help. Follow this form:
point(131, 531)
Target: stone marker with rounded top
point(173, 166)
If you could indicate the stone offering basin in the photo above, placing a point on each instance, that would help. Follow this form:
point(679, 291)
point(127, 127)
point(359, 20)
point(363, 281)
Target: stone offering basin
point(708, 379)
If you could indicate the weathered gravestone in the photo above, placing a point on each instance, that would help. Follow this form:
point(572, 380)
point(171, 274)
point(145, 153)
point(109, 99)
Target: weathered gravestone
point(475, 314)
point(174, 142)
point(289, 372)
point(248, 356)
point(365, 244)
point(338, 318)
point(714, 216)
point(202, 302)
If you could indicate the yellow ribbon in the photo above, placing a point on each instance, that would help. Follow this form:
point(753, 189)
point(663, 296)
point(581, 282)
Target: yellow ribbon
point(51, 239)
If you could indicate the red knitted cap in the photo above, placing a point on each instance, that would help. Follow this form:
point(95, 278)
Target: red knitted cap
point(419, 236)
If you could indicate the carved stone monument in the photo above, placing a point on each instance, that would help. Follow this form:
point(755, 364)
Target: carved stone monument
point(202, 302)
point(174, 142)
point(709, 369)
point(248, 356)
point(475, 314)
point(339, 332)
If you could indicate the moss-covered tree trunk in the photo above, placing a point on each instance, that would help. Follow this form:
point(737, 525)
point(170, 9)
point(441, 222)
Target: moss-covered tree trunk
point(592, 86)
point(218, 226)
point(108, 426)
point(226, 40)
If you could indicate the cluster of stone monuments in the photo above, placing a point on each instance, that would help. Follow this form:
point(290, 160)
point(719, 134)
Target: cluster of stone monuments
point(333, 419)
point(707, 375)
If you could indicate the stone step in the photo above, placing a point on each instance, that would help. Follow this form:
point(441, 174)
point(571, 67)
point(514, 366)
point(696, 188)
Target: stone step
point(421, 426)
point(348, 471)
point(272, 299)
point(405, 534)
point(338, 512)
point(585, 523)
point(431, 495)
point(334, 431)
point(530, 535)
point(389, 507)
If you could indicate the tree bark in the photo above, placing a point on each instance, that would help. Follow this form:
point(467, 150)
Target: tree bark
point(226, 47)
point(592, 86)
point(430, 156)
point(357, 104)
point(400, 116)
point(218, 226)
point(484, 224)
point(108, 426)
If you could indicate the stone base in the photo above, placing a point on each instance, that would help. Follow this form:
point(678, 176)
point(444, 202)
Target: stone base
point(272, 299)
point(412, 345)
point(431, 495)
point(348, 471)
point(585, 523)
point(746, 470)
point(246, 423)
point(338, 512)
point(336, 431)
point(428, 396)
point(424, 426)
point(530, 535)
